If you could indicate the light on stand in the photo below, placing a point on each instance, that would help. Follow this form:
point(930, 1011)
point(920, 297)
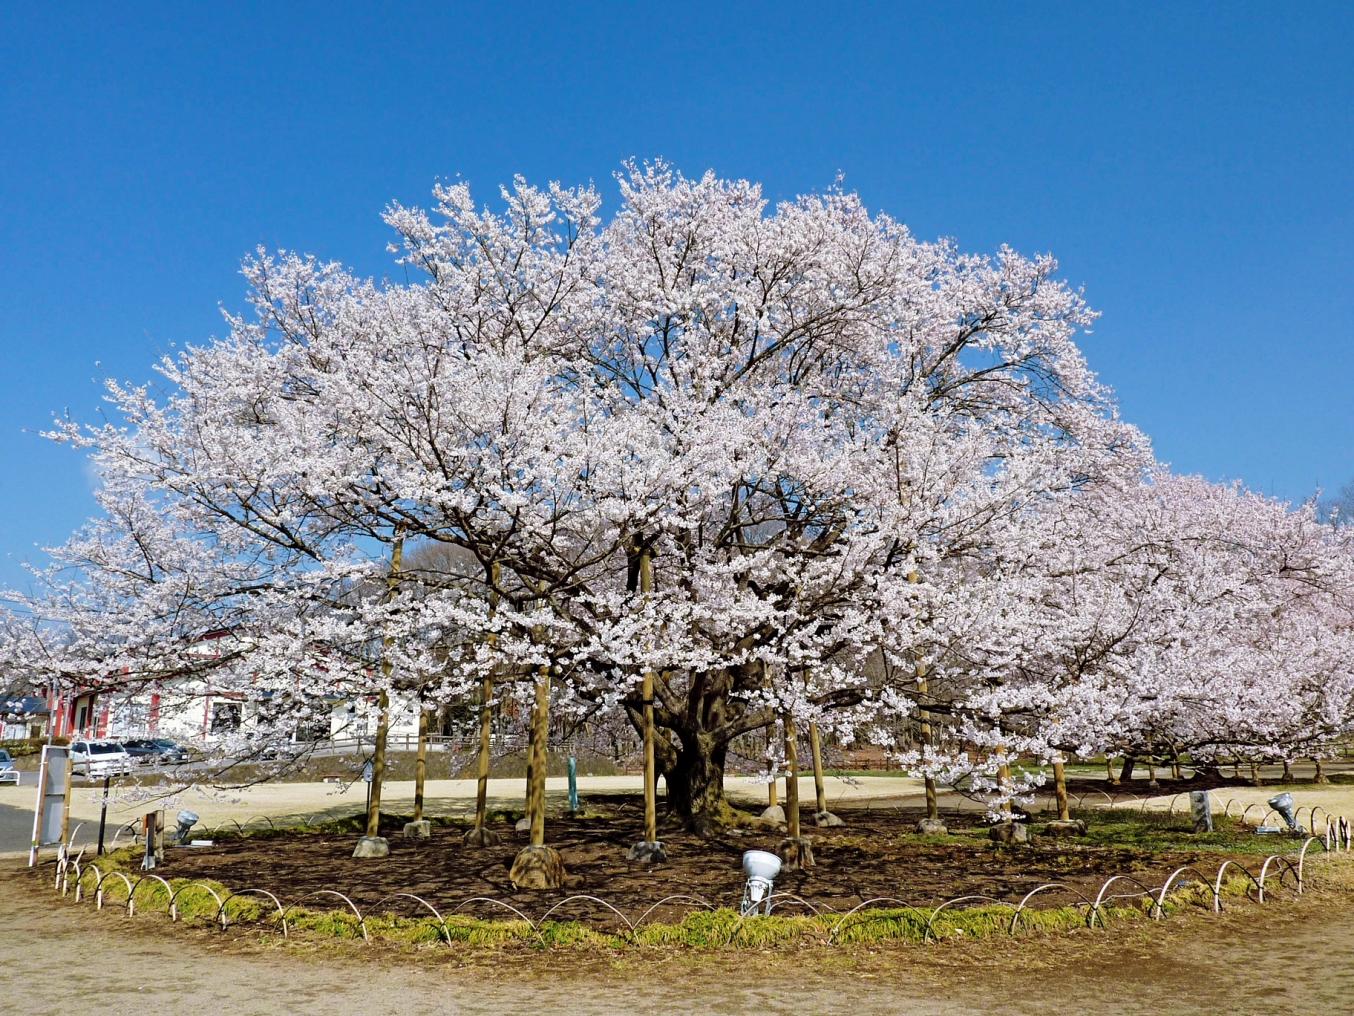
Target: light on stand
point(761, 868)
point(187, 819)
point(1283, 804)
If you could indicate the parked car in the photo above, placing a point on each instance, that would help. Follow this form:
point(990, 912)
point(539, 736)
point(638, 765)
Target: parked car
point(99, 759)
point(8, 774)
point(155, 751)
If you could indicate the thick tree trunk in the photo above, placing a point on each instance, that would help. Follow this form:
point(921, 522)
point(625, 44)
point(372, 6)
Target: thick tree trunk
point(1126, 771)
point(695, 782)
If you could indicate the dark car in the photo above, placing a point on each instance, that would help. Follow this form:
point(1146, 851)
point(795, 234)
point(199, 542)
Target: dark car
point(155, 750)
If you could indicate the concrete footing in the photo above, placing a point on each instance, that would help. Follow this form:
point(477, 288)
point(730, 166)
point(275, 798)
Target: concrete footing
point(479, 836)
point(420, 830)
point(932, 827)
point(1064, 827)
point(825, 820)
point(372, 846)
point(773, 816)
point(647, 852)
point(1009, 832)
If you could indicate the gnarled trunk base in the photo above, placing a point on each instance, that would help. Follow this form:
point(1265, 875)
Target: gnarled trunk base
point(695, 789)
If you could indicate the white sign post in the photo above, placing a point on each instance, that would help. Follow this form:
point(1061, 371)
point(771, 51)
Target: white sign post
point(51, 813)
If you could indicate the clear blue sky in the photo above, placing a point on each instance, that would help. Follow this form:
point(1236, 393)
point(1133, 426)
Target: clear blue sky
point(1189, 165)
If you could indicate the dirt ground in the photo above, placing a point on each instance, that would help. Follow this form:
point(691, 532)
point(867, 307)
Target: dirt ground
point(68, 959)
point(876, 854)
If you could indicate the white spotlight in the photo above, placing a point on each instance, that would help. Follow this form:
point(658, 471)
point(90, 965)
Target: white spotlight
point(761, 868)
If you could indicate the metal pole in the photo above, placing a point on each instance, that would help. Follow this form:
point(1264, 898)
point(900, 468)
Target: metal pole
point(573, 784)
point(103, 814)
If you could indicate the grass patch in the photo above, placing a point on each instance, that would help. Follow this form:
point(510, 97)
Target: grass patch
point(1156, 831)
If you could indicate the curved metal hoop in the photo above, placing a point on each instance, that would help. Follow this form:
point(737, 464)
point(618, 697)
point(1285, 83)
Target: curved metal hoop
point(846, 917)
point(1284, 864)
point(926, 936)
point(225, 919)
point(80, 874)
point(671, 899)
point(791, 899)
point(133, 827)
point(1020, 908)
point(1096, 914)
point(1081, 799)
point(1217, 885)
point(498, 903)
point(98, 887)
point(441, 921)
point(630, 928)
point(361, 921)
point(1302, 856)
point(1161, 897)
point(174, 899)
point(147, 877)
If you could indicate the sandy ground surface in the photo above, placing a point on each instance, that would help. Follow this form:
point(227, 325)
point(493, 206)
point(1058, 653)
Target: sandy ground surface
point(62, 958)
point(67, 958)
point(456, 797)
point(444, 797)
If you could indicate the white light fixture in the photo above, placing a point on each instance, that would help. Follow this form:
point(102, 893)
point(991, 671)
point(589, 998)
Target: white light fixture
point(761, 868)
point(1283, 804)
point(187, 819)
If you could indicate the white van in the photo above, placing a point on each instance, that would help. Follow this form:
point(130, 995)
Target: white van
point(99, 759)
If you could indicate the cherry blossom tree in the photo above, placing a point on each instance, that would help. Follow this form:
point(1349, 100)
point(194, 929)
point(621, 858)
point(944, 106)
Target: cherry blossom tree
point(712, 463)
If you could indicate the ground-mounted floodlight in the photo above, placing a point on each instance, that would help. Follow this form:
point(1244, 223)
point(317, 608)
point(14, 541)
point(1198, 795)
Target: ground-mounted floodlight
point(761, 868)
point(1283, 804)
point(186, 819)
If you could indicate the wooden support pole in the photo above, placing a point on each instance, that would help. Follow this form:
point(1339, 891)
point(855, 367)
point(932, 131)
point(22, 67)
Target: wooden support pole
point(791, 776)
point(540, 731)
point(816, 749)
point(421, 763)
point(1060, 789)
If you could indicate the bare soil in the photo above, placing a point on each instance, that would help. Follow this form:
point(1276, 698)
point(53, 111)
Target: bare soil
point(875, 855)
